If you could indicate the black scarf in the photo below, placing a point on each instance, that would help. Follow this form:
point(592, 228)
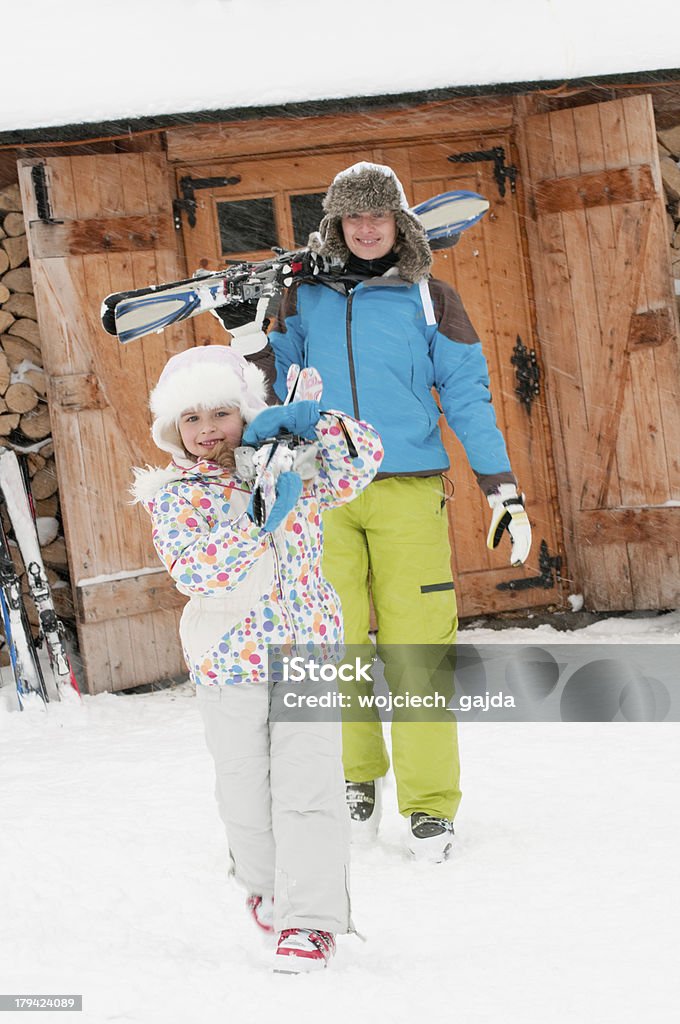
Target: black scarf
point(360, 270)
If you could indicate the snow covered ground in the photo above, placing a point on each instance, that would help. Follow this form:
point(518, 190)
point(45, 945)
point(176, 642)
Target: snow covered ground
point(556, 905)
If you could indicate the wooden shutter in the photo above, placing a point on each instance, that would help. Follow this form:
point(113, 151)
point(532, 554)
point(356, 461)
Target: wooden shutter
point(609, 337)
point(111, 229)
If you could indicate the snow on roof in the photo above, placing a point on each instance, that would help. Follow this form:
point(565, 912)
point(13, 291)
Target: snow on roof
point(80, 62)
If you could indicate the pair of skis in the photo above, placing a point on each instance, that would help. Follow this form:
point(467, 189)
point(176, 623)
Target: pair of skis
point(133, 314)
point(25, 663)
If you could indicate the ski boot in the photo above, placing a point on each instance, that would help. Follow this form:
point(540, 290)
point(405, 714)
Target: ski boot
point(364, 802)
point(429, 838)
point(262, 912)
point(301, 950)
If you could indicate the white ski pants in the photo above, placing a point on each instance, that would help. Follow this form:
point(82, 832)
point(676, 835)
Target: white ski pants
point(280, 791)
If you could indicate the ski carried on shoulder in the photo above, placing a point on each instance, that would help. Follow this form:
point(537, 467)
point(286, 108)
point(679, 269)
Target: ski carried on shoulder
point(133, 314)
point(282, 453)
point(17, 498)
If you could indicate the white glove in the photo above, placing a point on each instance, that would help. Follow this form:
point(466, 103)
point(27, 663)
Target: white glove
point(306, 461)
point(508, 514)
point(250, 337)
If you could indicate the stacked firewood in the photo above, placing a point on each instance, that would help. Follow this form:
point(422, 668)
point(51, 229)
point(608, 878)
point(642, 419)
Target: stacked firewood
point(669, 151)
point(24, 412)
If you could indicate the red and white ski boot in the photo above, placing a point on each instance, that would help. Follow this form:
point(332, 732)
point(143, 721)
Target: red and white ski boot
point(262, 912)
point(300, 950)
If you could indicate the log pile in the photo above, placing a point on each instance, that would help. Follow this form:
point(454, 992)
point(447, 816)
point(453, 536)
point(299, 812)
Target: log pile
point(24, 410)
point(669, 153)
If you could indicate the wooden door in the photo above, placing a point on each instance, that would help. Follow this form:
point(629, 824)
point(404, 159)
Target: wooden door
point(487, 268)
point(609, 338)
point(110, 229)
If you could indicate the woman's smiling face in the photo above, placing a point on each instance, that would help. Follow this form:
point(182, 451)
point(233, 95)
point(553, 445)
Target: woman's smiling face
point(370, 235)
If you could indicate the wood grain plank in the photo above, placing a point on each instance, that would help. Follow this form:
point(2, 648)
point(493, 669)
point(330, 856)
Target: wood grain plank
point(527, 434)
point(664, 367)
point(613, 359)
point(561, 271)
point(98, 601)
point(631, 441)
point(94, 652)
point(580, 150)
point(469, 115)
point(597, 188)
point(652, 328)
point(100, 234)
point(55, 315)
point(659, 526)
point(75, 392)
point(557, 328)
point(169, 654)
point(640, 445)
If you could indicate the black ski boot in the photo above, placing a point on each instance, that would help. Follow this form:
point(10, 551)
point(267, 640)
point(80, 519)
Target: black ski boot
point(365, 808)
point(430, 838)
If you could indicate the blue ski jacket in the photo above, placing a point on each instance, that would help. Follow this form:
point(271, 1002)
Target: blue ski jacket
point(380, 350)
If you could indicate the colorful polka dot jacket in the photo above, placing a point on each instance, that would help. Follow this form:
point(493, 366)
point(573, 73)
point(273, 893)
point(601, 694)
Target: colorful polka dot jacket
point(250, 590)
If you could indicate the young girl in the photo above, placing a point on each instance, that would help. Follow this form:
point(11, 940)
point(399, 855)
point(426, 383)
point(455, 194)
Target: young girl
point(280, 785)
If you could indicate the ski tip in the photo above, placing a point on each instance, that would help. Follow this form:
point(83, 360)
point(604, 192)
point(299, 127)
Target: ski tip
point(450, 213)
point(108, 316)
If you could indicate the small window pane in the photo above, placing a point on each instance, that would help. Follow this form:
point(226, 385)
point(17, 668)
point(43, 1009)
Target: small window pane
point(246, 225)
point(307, 213)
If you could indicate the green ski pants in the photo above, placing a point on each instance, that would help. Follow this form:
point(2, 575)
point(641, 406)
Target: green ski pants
point(393, 541)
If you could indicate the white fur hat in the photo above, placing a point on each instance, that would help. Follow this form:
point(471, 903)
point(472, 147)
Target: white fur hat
point(205, 377)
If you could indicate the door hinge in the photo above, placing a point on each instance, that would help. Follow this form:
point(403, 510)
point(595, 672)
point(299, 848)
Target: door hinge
point(501, 170)
point(42, 195)
point(527, 373)
point(187, 203)
point(546, 581)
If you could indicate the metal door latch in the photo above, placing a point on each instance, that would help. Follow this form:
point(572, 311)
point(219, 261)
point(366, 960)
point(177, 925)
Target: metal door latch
point(501, 170)
point(527, 373)
point(42, 195)
point(187, 203)
point(546, 581)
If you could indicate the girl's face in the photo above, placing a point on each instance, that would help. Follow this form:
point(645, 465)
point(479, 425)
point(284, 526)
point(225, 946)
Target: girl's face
point(202, 429)
point(370, 236)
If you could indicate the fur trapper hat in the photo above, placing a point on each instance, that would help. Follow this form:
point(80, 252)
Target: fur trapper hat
point(363, 187)
point(205, 377)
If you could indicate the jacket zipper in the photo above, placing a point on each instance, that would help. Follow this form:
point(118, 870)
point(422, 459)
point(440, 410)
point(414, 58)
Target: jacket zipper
point(350, 356)
point(284, 604)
